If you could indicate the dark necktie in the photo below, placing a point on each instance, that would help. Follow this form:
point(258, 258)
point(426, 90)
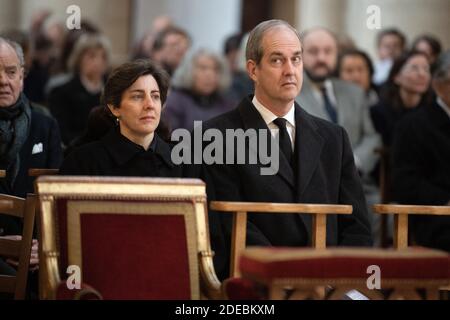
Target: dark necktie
point(284, 139)
point(331, 110)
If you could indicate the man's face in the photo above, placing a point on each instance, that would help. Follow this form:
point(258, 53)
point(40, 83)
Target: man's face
point(175, 47)
point(390, 47)
point(320, 55)
point(11, 76)
point(278, 77)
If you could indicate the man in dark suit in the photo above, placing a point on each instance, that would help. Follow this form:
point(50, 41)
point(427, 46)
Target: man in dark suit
point(28, 139)
point(421, 162)
point(315, 161)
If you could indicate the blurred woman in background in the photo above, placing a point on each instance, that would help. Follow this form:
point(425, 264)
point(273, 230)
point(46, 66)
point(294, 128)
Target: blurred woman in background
point(407, 89)
point(198, 91)
point(355, 66)
point(71, 102)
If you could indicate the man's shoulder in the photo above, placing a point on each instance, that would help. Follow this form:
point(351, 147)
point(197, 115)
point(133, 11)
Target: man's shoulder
point(319, 124)
point(352, 93)
point(228, 120)
point(88, 151)
point(346, 86)
point(42, 122)
point(40, 116)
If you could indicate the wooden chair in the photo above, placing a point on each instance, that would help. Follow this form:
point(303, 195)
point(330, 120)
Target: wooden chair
point(37, 172)
point(325, 273)
point(19, 250)
point(239, 210)
point(401, 214)
point(132, 238)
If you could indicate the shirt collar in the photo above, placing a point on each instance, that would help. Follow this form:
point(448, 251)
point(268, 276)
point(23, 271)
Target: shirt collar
point(268, 115)
point(123, 150)
point(442, 104)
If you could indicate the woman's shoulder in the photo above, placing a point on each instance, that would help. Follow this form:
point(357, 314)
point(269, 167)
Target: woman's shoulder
point(82, 159)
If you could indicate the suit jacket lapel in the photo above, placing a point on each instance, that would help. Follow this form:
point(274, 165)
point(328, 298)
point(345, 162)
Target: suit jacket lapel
point(252, 119)
point(308, 145)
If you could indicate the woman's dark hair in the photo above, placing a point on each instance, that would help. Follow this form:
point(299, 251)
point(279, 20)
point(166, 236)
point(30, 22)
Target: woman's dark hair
point(359, 53)
point(100, 121)
point(391, 32)
point(391, 90)
point(433, 42)
point(126, 74)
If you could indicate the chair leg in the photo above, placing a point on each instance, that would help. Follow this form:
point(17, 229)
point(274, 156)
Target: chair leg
point(276, 292)
point(432, 293)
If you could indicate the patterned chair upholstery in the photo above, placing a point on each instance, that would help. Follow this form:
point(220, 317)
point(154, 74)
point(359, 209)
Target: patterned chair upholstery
point(132, 238)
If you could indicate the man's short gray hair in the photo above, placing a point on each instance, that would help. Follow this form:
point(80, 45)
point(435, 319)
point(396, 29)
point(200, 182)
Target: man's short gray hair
point(17, 48)
point(254, 49)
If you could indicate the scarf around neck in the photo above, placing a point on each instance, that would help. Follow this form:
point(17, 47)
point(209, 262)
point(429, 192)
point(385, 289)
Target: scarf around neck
point(14, 130)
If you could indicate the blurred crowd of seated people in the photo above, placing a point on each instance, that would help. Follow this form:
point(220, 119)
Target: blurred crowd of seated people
point(399, 102)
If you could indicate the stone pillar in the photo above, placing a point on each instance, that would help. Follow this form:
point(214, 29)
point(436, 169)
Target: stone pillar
point(324, 13)
point(9, 13)
point(208, 22)
point(111, 16)
point(413, 17)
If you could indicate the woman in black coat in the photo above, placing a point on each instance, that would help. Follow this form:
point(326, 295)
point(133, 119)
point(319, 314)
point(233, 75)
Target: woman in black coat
point(133, 95)
point(406, 91)
point(71, 102)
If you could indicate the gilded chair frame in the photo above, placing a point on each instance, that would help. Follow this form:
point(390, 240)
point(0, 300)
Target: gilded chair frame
point(165, 192)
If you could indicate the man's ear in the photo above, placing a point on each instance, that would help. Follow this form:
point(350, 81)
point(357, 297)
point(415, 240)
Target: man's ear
point(251, 69)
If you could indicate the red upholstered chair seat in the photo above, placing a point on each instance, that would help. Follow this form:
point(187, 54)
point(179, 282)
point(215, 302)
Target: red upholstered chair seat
point(410, 263)
point(265, 267)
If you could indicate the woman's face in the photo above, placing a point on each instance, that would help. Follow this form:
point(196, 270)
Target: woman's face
point(355, 69)
point(415, 76)
point(206, 75)
point(140, 109)
point(93, 63)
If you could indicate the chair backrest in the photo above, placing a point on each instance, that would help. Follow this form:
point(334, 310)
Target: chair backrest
point(19, 250)
point(401, 213)
point(36, 172)
point(132, 238)
point(239, 211)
